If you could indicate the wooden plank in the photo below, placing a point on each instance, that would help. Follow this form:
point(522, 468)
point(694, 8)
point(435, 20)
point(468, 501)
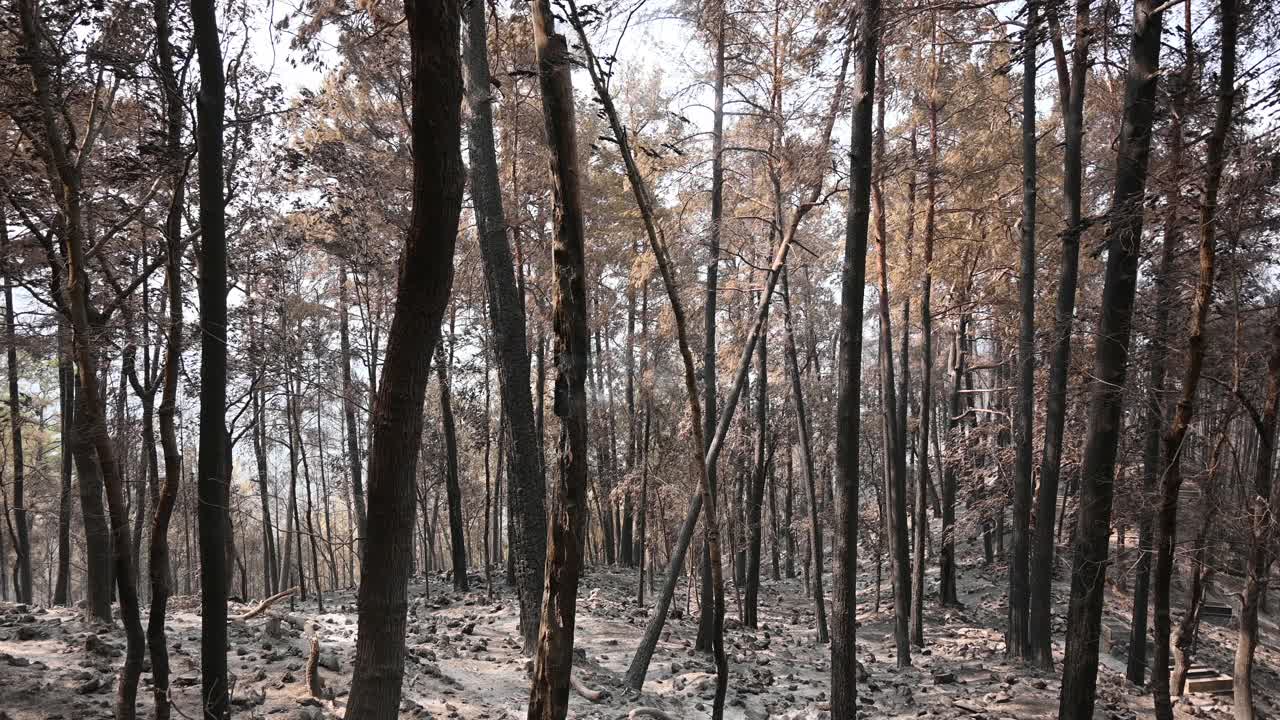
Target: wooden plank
point(1209, 685)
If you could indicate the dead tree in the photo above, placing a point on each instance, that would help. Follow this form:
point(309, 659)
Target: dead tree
point(553, 657)
point(426, 272)
point(1167, 517)
point(1071, 85)
point(1090, 546)
point(526, 486)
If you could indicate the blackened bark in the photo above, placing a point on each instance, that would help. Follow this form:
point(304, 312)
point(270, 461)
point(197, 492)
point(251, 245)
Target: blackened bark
point(604, 469)
point(553, 657)
point(1090, 545)
point(718, 21)
point(1263, 511)
point(295, 405)
point(426, 277)
point(270, 557)
point(628, 511)
point(755, 494)
point(355, 466)
point(1167, 516)
point(1072, 92)
point(66, 176)
point(22, 585)
point(158, 563)
point(1017, 639)
point(926, 352)
point(895, 461)
point(805, 446)
point(658, 244)
point(213, 480)
point(948, 595)
point(453, 488)
point(291, 537)
point(94, 514)
point(1183, 639)
point(66, 392)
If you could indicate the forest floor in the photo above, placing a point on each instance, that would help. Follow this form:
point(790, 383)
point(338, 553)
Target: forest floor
point(465, 660)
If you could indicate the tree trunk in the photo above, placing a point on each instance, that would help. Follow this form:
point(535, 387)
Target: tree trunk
point(22, 549)
point(1097, 473)
point(657, 241)
point(804, 445)
point(291, 529)
point(1155, 413)
point(355, 466)
point(426, 273)
point(718, 21)
point(926, 354)
point(293, 404)
point(947, 593)
point(1183, 639)
point(604, 470)
point(644, 498)
point(755, 500)
point(1167, 518)
point(214, 479)
point(553, 657)
point(1017, 641)
point(640, 661)
point(67, 389)
point(844, 602)
point(92, 412)
point(1072, 94)
point(158, 567)
point(453, 489)
point(894, 432)
point(270, 558)
point(325, 502)
point(1263, 511)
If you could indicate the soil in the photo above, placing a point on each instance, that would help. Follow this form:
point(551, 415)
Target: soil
point(465, 660)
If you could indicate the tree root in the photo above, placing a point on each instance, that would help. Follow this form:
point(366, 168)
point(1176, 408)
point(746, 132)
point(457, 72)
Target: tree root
point(264, 605)
point(584, 691)
point(652, 712)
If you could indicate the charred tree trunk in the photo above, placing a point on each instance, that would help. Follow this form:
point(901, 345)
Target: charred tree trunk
point(844, 596)
point(66, 391)
point(718, 21)
point(1263, 511)
point(1071, 90)
point(1183, 640)
point(158, 567)
point(426, 277)
point(1017, 641)
point(270, 558)
point(453, 488)
point(1167, 518)
point(804, 445)
point(1097, 474)
point(65, 174)
point(553, 656)
point(755, 499)
point(1155, 413)
point(213, 482)
point(896, 500)
point(926, 354)
point(526, 488)
point(22, 544)
point(355, 466)
point(947, 592)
